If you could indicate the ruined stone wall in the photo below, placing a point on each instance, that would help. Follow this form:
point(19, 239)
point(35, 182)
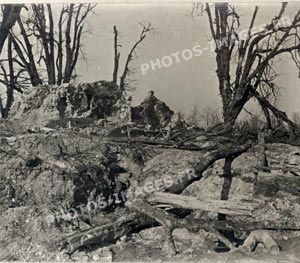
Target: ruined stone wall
point(56, 105)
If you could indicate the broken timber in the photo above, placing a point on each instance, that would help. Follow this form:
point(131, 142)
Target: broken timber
point(110, 233)
point(269, 212)
point(189, 202)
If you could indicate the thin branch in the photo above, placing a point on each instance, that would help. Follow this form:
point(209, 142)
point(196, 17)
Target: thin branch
point(145, 31)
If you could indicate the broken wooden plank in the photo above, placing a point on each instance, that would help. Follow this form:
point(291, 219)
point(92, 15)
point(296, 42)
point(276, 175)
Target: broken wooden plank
point(110, 233)
point(190, 202)
point(161, 216)
point(105, 234)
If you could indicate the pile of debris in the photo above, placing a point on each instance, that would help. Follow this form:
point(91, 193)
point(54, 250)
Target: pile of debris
point(53, 106)
point(84, 189)
point(95, 108)
point(152, 113)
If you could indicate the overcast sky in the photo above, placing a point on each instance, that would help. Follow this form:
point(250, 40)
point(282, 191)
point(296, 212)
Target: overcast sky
point(182, 85)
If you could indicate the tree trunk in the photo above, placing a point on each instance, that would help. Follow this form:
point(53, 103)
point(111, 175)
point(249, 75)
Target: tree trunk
point(132, 222)
point(51, 59)
point(59, 58)
point(227, 174)
point(262, 161)
point(10, 87)
point(231, 113)
point(47, 38)
point(265, 211)
point(69, 54)
point(10, 15)
point(30, 66)
point(117, 56)
point(106, 234)
point(205, 162)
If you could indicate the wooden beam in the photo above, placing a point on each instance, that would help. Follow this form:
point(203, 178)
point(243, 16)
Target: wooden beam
point(190, 202)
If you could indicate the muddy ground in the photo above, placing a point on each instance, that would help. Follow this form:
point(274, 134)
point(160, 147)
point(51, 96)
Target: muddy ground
point(45, 171)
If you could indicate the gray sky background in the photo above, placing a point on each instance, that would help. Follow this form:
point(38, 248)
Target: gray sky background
point(184, 84)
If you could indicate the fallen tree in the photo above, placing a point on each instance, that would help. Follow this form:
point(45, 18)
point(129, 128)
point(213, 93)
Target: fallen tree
point(110, 234)
point(277, 113)
point(266, 211)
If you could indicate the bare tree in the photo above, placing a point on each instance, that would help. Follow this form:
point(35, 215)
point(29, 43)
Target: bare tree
point(296, 117)
point(116, 56)
point(126, 71)
point(208, 117)
point(73, 46)
point(45, 33)
point(194, 116)
point(25, 56)
point(245, 65)
point(58, 46)
point(10, 80)
point(10, 15)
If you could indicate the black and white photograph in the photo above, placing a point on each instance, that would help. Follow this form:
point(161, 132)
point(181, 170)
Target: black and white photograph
point(150, 131)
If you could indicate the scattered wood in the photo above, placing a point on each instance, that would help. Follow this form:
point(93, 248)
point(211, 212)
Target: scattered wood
point(242, 216)
point(147, 216)
point(162, 143)
point(105, 234)
point(169, 223)
point(110, 233)
point(207, 160)
point(189, 202)
point(160, 216)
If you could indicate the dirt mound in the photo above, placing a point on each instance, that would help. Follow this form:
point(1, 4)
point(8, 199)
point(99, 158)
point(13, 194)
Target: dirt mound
point(58, 182)
point(152, 112)
point(47, 175)
point(53, 105)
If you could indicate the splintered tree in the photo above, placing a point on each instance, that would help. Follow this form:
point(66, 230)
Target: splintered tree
point(245, 59)
point(126, 72)
point(43, 45)
point(246, 64)
point(10, 14)
point(10, 79)
point(40, 51)
point(116, 56)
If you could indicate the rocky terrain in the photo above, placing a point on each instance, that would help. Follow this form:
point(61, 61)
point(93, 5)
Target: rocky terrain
point(67, 155)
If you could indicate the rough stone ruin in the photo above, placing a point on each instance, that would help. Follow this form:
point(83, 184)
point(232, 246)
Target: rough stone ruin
point(82, 172)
